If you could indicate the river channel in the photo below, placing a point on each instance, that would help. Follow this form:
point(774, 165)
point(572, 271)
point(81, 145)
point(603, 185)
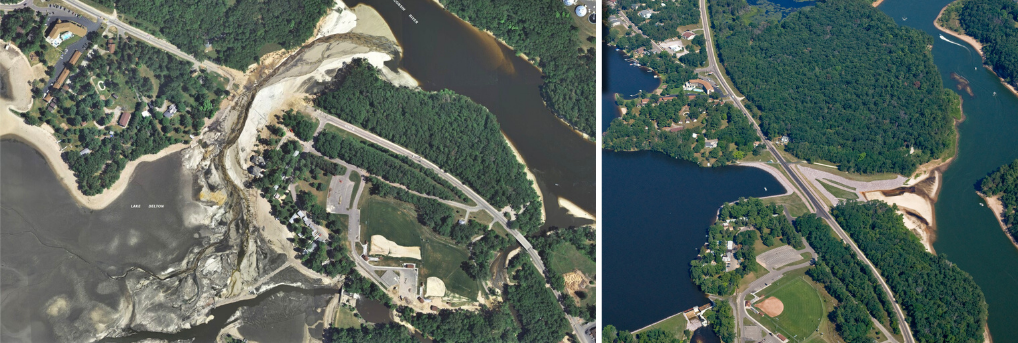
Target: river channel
point(658, 212)
point(967, 233)
point(443, 52)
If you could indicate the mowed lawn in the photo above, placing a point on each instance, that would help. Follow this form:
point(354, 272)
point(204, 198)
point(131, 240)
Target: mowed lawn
point(565, 258)
point(803, 308)
point(397, 221)
point(676, 326)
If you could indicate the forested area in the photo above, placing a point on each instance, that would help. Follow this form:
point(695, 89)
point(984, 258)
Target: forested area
point(375, 333)
point(993, 24)
point(231, 33)
point(1004, 183)
point(722, 321)
point(941, 302)
point(584, 239)
point(452, 131)
point(541, 318)
point(543, 31)
point(138, 79)
point(843, 81)
point(386, 165)
point(482, 252)
point(667, 16)
point(301, 126)
point(708, 270)
point(25, 28)
point(482, 326)
point(641, 130)
point(431, 213)
point(848, 280)
point(612, 335)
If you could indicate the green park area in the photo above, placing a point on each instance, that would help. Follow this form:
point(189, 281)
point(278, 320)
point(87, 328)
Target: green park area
point(345, 318)
point(796, 207)
point(565, 258)
point(805, 308)
point(675, 326)
point(396, 221)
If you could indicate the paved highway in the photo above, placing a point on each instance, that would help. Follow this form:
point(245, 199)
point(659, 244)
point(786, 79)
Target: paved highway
point(820, 207)
point(482, 203)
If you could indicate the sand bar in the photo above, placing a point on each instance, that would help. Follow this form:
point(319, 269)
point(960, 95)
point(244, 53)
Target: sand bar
point(997, 207)
point(574, 210)
point(530, 176)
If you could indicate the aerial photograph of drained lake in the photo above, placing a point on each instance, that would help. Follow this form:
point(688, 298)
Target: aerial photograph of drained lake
point(357, 171)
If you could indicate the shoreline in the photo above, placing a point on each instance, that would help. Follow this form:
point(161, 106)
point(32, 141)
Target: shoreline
point(997, 207)
point(877, 3)
point(575, 210)
point(971, 41)
point(530, 176)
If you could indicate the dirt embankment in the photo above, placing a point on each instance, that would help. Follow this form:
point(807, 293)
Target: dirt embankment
point(915, 204)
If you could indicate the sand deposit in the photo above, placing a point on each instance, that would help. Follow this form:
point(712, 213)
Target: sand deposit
point(530, 176)
point(15, 75)
point(997, 207)
point(435, 288)
point(771, 306)
point(574, 210)
point(370, 22)
point(385, 247)
point(339, 20)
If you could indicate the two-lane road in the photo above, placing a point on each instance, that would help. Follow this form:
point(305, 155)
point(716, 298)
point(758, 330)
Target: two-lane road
point(820, 207)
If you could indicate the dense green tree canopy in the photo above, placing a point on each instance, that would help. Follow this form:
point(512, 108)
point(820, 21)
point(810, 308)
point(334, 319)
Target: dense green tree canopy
point(457, 134)
point(941, 302)
point(1004, 183)
point(992, 23)
point(843, 81)
point(237, 32)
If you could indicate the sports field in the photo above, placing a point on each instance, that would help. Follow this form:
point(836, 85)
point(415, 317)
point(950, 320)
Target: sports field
point(397, 221)
point(803, 309)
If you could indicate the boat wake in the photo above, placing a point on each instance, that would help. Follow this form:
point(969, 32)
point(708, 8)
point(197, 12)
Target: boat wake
point(955, 43)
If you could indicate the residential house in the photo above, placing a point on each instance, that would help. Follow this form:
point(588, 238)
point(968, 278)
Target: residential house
point(125, 118)
point(646, 13)
point(711, 143)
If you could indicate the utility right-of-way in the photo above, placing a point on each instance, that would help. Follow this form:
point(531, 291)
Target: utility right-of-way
point(821, 209)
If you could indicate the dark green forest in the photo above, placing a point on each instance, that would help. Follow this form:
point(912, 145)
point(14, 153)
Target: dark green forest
point(848, 280)
point(544, 31)
point(941, 302)
point(386, 164)
point(843, 81)
point(541, 318)
point(1004, 183)
point(238, 32)
point(455, 133)
point(584, 239)
point(612, 335)
point(993, 23)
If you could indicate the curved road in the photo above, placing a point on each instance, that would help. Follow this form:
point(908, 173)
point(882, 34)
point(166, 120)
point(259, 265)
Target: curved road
point(821, 208)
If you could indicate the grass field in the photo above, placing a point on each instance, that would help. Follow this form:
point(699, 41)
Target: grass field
point(566, 258)
point(804, 310)
point(838, 192)
point(676, 326)
point(397, 221)
point(792, 201)
point(839, 184)
point(482, 217)
point(345, 318)
point(765, 156)
point(499, 229)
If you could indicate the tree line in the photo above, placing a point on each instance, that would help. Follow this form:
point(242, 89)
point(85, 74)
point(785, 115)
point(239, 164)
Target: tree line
point(848, 280)
point(25, 28)
point(452, 131)
point(941, 302)
point(431, 213)
point(843, 81)
point(385, 164)
point(992, 23)
point(584, 239)
point(1003, 182)
point(544, 31)
point(237, 32)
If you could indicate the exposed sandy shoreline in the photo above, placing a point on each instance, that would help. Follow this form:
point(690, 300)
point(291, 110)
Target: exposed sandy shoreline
point(972, 41)
point(875, 4)
point(530, 176)
point(997, 207)
point(42, 140)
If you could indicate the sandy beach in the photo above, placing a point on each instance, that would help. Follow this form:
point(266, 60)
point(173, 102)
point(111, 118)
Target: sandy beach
point(530, 176)
point(972, 41)
point(997, 207)
point(875, 4)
